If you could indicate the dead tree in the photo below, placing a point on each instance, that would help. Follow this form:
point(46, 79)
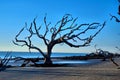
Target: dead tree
point(64, 31)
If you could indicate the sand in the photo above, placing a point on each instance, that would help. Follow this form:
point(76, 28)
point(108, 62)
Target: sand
point(100, 71)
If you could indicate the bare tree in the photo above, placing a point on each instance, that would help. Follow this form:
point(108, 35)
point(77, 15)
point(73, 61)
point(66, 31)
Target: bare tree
point(64, 31)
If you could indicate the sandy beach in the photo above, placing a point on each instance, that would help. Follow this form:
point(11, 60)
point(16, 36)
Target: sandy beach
point(100, 71)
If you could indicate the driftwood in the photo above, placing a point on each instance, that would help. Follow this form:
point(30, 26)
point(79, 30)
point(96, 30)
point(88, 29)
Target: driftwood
point(107, 55)
point(27, 60)
point(114, 62)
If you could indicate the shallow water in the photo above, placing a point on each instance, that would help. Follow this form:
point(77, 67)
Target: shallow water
point(36, 55)
point(69, 62)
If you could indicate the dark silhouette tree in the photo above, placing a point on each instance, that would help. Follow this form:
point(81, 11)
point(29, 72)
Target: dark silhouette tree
point(117, 20)
point(64, 31)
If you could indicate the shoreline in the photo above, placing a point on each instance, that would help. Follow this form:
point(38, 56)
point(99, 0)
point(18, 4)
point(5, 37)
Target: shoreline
point(62, 60)
point(104, 70)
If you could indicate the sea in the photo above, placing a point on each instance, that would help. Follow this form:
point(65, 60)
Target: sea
point(38, 55)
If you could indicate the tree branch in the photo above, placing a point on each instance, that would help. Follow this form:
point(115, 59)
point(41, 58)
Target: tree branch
point(40, 35)
point(63, 22)
point(71, 36)
point(25, 43)
point(117, 20)
point(46, 25)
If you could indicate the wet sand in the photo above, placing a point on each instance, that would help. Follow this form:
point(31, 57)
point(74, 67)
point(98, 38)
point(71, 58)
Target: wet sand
point(100, 71)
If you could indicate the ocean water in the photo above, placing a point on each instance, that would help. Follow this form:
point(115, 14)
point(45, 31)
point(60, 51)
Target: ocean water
point(37, 54)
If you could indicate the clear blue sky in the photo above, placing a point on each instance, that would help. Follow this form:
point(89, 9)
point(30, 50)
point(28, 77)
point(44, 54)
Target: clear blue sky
point(14, 13)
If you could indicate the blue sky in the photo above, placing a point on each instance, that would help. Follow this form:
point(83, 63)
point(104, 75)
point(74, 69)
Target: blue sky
point(14, 13)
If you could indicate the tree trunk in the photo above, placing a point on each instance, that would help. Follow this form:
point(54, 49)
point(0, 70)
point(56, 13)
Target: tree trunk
point(47, 59)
